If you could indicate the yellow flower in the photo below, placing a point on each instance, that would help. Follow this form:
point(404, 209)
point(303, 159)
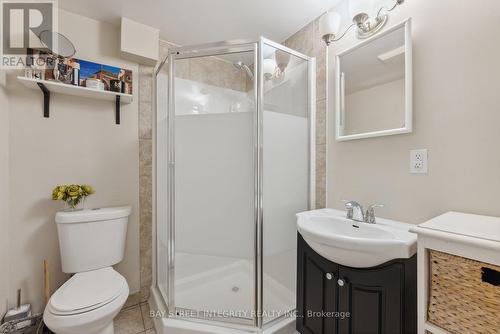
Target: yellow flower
point(73, 191)
point(55, 194)
point(87, 189)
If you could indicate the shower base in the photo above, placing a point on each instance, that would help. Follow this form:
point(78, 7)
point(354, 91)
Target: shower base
point(221, 289)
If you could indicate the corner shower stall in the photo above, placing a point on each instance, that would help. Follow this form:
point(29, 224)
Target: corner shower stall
point(234, 139)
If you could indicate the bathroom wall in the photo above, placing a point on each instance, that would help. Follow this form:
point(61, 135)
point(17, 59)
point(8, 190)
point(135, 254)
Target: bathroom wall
point(456, 117)
point(4, 194)
point(79, 143)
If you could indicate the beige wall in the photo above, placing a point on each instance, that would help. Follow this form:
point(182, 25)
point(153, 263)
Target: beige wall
point(4, 195)
point(79, 143)
point(456, 54)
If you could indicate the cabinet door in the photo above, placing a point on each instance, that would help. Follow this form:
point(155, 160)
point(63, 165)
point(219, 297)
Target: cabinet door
point(316, 291)
point(374, 299)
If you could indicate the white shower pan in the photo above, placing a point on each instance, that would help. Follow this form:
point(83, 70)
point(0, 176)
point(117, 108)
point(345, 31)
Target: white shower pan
point(226, 285)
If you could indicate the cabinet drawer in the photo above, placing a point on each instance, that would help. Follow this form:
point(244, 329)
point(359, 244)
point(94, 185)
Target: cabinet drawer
point(464, 295)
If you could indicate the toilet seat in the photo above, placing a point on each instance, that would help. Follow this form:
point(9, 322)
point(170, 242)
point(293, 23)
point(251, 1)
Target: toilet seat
point(87, 291)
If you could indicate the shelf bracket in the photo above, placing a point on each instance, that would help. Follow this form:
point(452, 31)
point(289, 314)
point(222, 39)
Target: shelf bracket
point(117, 109)
point(46, 99)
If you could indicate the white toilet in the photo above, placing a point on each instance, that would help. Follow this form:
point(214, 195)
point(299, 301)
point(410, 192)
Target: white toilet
point(90, 241)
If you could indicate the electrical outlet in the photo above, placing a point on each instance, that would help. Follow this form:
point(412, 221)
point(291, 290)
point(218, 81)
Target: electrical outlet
point(418, 161)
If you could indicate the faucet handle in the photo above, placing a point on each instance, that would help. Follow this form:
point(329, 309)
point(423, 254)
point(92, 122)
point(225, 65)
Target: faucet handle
point(370, 213)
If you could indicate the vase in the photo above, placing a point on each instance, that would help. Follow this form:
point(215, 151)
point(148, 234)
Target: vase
point(79, 207)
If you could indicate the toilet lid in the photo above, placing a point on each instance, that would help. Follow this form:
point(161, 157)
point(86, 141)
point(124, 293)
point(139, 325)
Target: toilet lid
point(86, 291)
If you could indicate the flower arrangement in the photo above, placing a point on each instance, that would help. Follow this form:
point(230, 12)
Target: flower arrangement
point(72, 194)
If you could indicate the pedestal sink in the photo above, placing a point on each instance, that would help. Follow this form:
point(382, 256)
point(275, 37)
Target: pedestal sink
point(355, 244)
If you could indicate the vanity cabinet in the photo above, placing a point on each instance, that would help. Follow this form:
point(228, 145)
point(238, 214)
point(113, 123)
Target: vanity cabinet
point(334, 299)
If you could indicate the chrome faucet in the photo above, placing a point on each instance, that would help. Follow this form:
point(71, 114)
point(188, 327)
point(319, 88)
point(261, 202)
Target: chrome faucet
point(355, 212)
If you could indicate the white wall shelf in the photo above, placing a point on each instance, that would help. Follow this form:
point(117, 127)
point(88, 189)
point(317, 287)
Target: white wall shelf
point(48, 86)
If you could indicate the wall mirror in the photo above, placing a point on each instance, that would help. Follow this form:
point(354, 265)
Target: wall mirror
point(374, 86)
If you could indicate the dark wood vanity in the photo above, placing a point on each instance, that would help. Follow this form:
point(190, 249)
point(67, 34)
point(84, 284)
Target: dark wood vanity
point(334, 299)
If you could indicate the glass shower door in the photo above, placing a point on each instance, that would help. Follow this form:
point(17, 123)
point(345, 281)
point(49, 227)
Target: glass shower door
point(287, 111)
point(214, 207)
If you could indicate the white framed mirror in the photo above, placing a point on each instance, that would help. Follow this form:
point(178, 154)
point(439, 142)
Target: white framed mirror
point(374, 86)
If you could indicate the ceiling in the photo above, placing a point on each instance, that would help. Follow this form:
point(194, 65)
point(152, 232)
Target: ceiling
point(187, 22)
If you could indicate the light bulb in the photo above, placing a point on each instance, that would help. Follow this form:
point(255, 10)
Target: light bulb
point(268, 67)
point(330, 23)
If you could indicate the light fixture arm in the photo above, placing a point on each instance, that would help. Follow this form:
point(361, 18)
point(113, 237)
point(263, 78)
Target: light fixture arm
point(343, 34)
point(366, 26)
point(396, 3)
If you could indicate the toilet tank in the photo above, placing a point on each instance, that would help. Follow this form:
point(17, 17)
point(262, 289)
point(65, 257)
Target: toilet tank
point(92, 239)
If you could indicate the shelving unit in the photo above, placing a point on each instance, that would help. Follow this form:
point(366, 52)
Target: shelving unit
point(466, 235)
point(47, 87)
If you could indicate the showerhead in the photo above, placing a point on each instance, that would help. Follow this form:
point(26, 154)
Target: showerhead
point(242, 66)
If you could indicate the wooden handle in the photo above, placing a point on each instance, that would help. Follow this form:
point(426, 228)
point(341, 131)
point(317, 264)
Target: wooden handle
point(46, 285)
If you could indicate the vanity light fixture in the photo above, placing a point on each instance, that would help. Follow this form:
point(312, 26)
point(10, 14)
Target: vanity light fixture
point(358, 9)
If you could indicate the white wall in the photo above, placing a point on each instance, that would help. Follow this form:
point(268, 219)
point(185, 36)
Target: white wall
point(4, 195)
point(456, 117)
point(79, 143)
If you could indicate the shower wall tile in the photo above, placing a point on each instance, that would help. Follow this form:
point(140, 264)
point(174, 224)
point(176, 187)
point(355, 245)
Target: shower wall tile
point(145, 174)
point(145, 122)
point(204, 69)
point(308, 41)
point(321, 122)
point(145, 203)
point(302, 40)
point(145, 83)
point(320, 176)
point(320, 52)
point(321, 70)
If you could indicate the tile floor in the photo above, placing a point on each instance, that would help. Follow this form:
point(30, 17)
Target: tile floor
point(134, 319)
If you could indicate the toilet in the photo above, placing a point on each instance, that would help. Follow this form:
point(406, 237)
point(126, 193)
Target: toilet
point(91, 242)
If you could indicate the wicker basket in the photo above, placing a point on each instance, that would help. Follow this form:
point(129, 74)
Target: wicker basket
point(459, 301)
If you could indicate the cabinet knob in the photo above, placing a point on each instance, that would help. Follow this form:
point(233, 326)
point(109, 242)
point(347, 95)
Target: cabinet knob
point(341, 282)
point(329, 276)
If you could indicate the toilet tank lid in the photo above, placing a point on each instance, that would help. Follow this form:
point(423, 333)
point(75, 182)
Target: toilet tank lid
point(93, 215)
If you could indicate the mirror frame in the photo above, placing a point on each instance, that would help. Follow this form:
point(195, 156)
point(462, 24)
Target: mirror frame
point(339, 98)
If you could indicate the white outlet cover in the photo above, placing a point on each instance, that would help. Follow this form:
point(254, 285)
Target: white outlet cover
point(418, 161)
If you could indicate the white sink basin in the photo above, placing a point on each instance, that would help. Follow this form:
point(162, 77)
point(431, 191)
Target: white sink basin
point(355, 244)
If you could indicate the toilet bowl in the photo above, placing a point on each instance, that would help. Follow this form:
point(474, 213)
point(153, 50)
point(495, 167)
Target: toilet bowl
point(87, 303)
point(91, 242)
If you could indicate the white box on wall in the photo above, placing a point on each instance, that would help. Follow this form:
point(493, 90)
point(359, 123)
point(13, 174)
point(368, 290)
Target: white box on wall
point(139, 42)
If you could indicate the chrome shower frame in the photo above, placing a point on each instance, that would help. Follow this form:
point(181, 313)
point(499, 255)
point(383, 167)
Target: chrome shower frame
point(218, 49)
